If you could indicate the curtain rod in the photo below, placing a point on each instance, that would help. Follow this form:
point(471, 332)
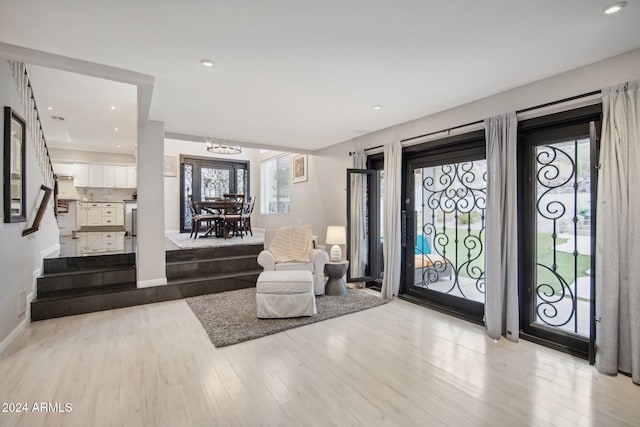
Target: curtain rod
point(524, 110)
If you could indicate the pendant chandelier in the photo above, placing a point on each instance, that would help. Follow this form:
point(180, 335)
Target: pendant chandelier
point(217, 148)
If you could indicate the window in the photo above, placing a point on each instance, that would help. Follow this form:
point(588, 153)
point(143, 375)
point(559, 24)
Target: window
point(275, 179)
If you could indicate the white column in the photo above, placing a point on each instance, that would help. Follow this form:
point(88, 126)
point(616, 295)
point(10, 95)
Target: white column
point(150, 253)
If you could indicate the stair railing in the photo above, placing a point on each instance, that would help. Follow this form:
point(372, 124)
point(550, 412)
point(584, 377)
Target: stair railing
point(34, 126)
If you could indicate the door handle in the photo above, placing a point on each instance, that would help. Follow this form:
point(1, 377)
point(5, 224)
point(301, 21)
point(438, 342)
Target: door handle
point(403, 229)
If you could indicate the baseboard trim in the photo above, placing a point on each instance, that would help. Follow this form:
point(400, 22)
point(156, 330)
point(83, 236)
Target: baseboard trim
point(14, 334)
point(151, 282)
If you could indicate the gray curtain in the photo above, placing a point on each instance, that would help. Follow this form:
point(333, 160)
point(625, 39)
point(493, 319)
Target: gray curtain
point(391, 219)
point(501, 241)
point(618, 234)
point(359, 242)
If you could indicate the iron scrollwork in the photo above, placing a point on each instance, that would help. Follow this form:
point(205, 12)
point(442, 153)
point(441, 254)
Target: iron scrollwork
point(556, 173)
point(454, 197)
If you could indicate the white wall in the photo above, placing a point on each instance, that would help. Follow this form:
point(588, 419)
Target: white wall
point(321, 201)
point(150, 253)
point(21, 257)
point(582, 80)
point(175, 148)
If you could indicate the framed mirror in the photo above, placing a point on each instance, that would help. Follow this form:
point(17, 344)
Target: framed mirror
point(15, 131)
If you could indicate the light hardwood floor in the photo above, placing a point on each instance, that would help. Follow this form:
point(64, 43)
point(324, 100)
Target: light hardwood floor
point(398, 364)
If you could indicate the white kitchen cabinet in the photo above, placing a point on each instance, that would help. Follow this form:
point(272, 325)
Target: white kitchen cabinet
point(109, 241)
point(81, 215)
point(119, 241)
point(99, 241)
point(108, 176)
point(121, 177)
point(82, 242)
point(95, 176)
point(94, 242)
point(131, 177)
point(104, 176)
point(108, 214)
point(120, 214)
point(94, 216)
point(81, 175)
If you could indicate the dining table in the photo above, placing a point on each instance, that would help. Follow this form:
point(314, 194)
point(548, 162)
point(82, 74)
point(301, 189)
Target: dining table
point(215, 206)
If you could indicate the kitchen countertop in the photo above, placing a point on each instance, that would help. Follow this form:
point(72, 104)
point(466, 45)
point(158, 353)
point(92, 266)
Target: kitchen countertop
point(107, 228)
point(100, 201)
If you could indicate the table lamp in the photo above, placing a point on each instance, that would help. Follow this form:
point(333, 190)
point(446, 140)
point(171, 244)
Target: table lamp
point(336, 235)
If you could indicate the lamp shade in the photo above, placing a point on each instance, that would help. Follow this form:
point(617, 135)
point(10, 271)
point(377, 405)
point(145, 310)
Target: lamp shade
point(336, 235)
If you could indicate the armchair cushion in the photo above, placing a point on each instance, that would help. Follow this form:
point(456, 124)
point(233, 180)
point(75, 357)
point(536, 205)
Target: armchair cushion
point(290, 266)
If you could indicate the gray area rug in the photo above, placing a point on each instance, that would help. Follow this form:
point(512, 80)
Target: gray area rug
point(230, 317)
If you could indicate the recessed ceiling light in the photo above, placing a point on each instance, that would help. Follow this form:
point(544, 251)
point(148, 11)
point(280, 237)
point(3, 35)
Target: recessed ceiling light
point(49, 108)
point(613, 8)
point(206, 63)
point(377, 107)
point(113, 108)
point(116, 129)
point(68, 140)
point(118, 145)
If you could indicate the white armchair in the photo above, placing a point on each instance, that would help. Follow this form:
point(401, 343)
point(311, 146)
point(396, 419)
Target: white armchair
point(290, 248)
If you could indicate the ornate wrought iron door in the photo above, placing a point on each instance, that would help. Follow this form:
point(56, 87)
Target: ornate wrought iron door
point(557, 217)
point(203, 178)
point(450, 203)
point(445, 216)
point(562, 290)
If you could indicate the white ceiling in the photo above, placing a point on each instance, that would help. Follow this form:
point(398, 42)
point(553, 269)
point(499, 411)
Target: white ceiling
point(92, 109)
point(306, 74)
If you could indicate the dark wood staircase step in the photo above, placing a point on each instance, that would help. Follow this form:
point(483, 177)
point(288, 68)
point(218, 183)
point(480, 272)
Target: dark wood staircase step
point(89, 302)
point(207, 267)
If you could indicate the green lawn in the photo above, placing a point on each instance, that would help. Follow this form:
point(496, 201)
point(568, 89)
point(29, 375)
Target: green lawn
point(564, 260)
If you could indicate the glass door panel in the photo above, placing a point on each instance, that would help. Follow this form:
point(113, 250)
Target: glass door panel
point(557, 192)
point(214, 182)
point(562, 276)
point(448, 246)
point(445, 215)
point(187, 192)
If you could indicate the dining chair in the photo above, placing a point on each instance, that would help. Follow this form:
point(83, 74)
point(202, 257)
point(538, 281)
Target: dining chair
point(232, 216)
point(198, 218)
point(246, 214)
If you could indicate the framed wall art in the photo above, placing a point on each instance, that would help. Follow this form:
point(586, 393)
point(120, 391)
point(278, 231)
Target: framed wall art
point(170, 166)
point(299, 168)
